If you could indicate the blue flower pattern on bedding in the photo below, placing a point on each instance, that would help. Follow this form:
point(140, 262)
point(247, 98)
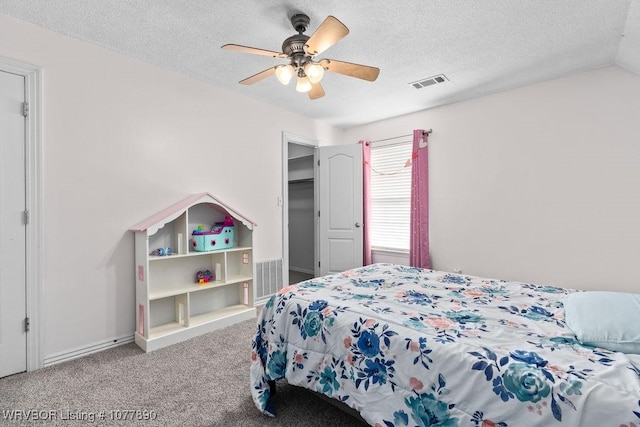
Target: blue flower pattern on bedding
point(443, 349)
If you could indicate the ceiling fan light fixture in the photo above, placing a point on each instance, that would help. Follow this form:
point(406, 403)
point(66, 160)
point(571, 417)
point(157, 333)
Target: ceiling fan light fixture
point(303, 84)
point(284, 73)
point(314, 71)
point(300, 50)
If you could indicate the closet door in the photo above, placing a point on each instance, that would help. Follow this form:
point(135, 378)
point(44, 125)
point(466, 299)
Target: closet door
point(13, 335)
point(339, 186)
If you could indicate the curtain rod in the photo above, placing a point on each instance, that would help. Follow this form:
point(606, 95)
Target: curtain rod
point(428, 132)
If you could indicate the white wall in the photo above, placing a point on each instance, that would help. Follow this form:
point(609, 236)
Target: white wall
point(539, 184)
point(121, 140)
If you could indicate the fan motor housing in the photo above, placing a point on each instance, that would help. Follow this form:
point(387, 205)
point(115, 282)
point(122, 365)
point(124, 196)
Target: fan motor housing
point(294, 45)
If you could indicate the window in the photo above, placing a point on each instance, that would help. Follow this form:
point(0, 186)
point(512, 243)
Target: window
point(390, 196)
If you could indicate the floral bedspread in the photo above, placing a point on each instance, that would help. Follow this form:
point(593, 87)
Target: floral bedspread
point(412, 347)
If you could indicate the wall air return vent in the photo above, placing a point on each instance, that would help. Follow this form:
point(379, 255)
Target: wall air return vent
point(440, 78)
point(268, 278)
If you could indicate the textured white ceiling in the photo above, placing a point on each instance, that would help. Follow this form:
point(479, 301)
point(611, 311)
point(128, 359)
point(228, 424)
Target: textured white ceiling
point(482, 46)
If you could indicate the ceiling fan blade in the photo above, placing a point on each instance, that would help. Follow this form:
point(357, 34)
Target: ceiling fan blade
point(257, 77)
point(363, 72)
point(326, 35)
point(254, 50)
point(316, 91)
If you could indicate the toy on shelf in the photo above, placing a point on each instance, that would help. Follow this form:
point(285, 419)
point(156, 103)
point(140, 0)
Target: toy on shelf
point(221, 236)
point(162, 252)
point(205, 276)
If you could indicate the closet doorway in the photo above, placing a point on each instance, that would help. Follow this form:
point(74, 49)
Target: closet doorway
point(320, 180)
point(300, 223)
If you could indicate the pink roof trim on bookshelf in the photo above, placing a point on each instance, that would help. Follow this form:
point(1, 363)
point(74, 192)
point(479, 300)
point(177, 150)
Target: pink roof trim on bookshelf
point(173, 211)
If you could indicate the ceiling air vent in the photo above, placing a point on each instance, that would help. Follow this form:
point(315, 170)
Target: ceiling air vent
point(440, 78)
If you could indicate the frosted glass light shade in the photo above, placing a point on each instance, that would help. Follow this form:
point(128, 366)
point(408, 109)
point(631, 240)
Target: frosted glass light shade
point(303, 85)
point(284, 73)
point(314, 71)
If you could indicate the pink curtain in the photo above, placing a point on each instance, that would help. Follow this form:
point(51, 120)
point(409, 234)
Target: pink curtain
point(419, 227)
point(366, 199)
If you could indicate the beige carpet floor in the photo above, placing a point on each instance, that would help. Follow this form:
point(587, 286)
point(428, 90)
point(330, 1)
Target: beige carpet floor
point(201, 382)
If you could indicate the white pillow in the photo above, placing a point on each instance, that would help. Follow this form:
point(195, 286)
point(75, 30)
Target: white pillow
point(610, 320)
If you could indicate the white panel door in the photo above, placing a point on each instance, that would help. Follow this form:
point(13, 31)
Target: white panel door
point(13, 338)
point(340, 206)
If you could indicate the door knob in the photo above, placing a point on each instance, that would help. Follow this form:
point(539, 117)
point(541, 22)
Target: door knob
point(357, 225)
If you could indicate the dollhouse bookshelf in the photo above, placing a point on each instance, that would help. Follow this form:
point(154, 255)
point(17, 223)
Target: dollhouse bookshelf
point(171, 306)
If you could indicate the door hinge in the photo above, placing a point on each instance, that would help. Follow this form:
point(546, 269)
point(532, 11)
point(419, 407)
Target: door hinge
point(25, 216)
point(25, 109)
point(26, 324)
point(318, 214)
point(318, 264)
point(318, 162)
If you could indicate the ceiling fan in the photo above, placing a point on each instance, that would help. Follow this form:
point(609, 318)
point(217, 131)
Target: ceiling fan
point(301, 51)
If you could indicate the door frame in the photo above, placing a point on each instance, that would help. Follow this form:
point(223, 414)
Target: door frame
point(300, 140)
point(33, 196)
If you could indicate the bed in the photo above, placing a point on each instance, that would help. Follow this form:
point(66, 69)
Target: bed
point(405, 346)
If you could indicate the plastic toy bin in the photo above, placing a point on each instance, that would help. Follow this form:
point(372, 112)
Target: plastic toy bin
point(216, 239)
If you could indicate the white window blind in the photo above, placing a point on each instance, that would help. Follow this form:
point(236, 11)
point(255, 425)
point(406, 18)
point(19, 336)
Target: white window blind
point(390, 196)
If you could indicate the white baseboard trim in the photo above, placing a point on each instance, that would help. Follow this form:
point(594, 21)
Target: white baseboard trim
point(301, 270)
point(67, 355)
